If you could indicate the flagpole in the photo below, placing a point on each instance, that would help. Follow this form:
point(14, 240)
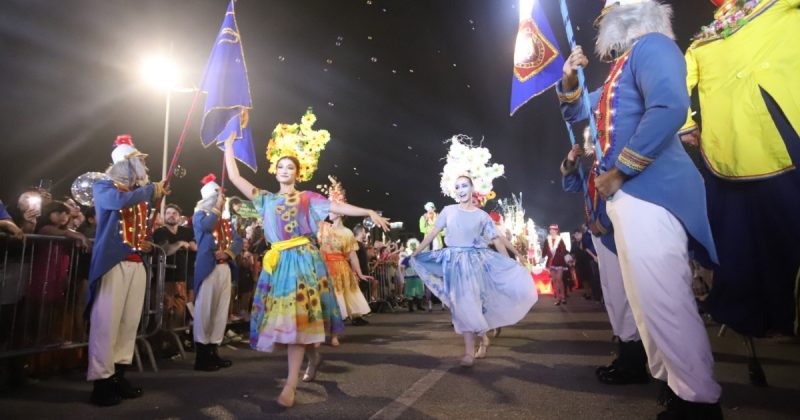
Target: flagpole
point(582, 83)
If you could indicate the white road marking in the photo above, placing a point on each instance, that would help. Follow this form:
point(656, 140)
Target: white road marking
point(394, 409)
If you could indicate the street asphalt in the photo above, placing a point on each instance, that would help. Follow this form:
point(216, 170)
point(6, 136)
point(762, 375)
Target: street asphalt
point(405, 366)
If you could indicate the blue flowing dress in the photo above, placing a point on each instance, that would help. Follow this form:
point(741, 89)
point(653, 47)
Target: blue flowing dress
point(482, 288)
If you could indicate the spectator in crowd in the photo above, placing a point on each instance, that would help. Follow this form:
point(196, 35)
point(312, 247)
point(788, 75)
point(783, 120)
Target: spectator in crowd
point(29, 206)
point(371, 283)
point(7, 223)
point(179, 245)
point(89, 226)
point(76, 217)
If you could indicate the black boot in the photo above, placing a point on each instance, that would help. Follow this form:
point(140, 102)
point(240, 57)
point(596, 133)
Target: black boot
point(629, 368)
point(679, 409)
point(410, 303)
point(203, 358)
point(223, 363)
point(105, 392)
point(124, 388)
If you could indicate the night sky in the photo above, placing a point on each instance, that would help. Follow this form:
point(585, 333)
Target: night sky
point(406, 76)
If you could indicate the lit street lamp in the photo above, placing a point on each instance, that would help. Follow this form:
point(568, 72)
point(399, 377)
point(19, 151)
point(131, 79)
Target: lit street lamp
point(162, 73)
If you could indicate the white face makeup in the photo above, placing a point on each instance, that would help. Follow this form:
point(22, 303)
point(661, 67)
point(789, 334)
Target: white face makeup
point(286, 171)
point(463, 190)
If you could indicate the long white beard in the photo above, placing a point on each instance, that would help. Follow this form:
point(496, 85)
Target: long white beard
point(129, 173)
point(623, 25)
point(207, 204)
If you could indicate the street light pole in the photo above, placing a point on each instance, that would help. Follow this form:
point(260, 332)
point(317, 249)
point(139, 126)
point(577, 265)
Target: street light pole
point(166, 150)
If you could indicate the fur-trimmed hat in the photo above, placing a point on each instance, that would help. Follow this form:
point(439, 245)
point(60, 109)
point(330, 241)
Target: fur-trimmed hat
point(124, 149)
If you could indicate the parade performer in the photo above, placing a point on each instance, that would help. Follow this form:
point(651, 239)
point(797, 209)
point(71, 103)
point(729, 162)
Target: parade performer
point(556, 252)
point(117, 277)
point(655, 195)
point(294, 303)
point(630, 365)
point(745, 69)
point(217, 247)
point(338, 246)
point(426, 223)
point(413, 288)
point(484, 289)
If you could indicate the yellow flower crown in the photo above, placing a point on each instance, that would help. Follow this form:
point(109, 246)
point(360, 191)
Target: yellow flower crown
point(299, 141)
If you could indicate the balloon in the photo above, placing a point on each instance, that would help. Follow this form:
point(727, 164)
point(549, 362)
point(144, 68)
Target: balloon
point(82, 187)
point(368, 223)
point(179, 171)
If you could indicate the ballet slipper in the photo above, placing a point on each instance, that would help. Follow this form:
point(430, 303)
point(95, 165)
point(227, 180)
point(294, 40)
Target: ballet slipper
point(335, 341)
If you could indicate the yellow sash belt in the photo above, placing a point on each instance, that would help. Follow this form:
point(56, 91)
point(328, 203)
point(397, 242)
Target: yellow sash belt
point(272, 256)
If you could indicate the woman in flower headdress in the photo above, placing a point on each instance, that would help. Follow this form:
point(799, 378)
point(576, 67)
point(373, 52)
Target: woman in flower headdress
point(484, 289)
point(338, 246)
point(294, 302)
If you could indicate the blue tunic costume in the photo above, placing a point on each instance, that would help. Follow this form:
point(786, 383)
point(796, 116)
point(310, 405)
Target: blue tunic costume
point(205, 224)
point(639, 115)
point(110, 246)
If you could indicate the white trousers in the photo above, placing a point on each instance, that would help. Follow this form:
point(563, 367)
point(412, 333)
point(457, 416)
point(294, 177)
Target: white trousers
point(619, 310)
point(115, 318)
point(652, 246)
point(211, 306)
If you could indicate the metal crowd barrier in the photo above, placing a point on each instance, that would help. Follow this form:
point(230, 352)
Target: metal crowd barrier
point(386, 273)
point(178, 314)
point(43, 290)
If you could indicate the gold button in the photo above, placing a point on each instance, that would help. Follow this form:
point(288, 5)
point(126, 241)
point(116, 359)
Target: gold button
point(741, 75)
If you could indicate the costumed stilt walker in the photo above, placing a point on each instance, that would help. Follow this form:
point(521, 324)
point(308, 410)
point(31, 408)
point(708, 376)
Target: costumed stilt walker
point(654, 195)
point(117, 277)
point(745, 68)
point(338, 246)
point(555, 251)
point(217, 248)
point(484, 289)
point(630, 365)
point(294, 303)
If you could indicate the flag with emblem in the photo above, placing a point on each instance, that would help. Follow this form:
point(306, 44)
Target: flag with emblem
point(228, 101)
point(537, 61)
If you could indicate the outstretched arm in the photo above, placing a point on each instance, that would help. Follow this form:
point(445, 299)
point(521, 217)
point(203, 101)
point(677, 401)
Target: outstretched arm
point(351, 210)
point(501, 246)
point(427, 241)
point(246, 188)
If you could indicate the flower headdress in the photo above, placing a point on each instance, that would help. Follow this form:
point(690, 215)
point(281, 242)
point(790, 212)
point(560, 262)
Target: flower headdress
point(299, 141)
point(335, 191)
point(464, 159)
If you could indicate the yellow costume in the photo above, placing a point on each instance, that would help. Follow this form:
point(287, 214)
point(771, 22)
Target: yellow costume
point(740, 140)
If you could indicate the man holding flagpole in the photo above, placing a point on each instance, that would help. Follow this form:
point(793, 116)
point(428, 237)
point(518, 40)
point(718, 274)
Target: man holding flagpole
point(654, 195)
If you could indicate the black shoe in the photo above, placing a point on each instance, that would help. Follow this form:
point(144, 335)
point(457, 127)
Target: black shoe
point(621, 376)
point(105, 392)
point(410, 306)
point(679, 409)
point(124, 388)
point(203, 360)
point(630, 366)
point(359, 321)
point(223, 363)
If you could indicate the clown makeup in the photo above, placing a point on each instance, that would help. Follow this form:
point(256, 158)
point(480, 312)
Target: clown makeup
point(463, 189)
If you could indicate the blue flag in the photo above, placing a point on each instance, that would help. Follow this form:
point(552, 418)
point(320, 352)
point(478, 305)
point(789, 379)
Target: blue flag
point(228, 102)
point(537, 62)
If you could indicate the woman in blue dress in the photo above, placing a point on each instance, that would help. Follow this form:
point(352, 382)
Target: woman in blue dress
point(484, 289)
point(294, 302)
